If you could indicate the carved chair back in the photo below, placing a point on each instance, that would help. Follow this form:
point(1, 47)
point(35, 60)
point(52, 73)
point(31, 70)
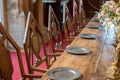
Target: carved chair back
point(34, 47)
point(55, 34)
point(6, 66)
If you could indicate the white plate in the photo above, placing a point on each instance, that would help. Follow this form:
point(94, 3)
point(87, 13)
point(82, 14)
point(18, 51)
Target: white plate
point(63, 73)
point(77, 50)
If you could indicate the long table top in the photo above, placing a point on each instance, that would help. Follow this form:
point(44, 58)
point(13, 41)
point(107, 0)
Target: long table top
point(92, 66)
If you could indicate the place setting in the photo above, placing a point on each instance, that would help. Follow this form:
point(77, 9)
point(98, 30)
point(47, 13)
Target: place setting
point(94, 26)
point(63, 73)
point(77, 50)
point(88, 36)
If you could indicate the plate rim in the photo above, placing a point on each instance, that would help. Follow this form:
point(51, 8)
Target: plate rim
point(93, 26)
point(88, 50)
point(60, 68)
point(93, 36)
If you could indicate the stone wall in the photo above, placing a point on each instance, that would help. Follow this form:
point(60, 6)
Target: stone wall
point(1, 12)
point(16, 22)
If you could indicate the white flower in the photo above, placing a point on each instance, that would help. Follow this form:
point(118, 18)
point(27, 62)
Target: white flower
point(110, 10)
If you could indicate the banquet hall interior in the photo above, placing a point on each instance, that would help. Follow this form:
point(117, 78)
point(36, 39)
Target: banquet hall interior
point(59, 39)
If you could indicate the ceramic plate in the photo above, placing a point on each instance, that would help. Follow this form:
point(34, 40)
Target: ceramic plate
point(63, 73)
point(77, 50)
point(88, 36)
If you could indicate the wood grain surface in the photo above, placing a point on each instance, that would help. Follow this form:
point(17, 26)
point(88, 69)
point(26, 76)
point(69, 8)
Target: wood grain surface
point(93, 66)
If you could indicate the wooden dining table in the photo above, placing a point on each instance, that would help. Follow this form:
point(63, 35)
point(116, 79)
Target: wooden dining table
point(92, 66)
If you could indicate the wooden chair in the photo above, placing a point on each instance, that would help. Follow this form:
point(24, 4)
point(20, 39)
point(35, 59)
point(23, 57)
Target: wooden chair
point(55, 35)
point(79, 11)
point(73, 25)
point(82, 15)
point(6, 66)
point(69, 28)
point(76, 21)
point(33, 41)
point(78, 16)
